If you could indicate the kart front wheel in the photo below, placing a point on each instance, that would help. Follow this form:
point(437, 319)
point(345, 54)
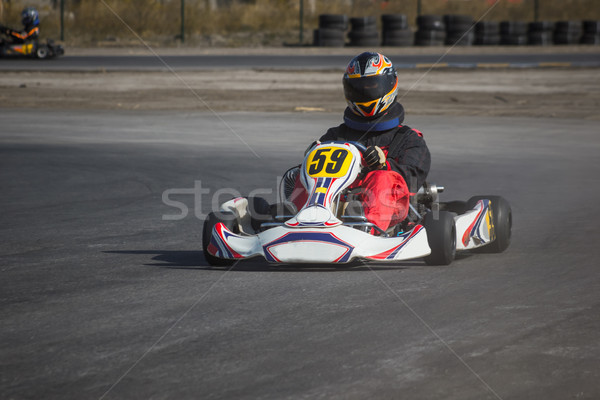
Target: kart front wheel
point(441, 235)
point(229, 220)
point(502, 220)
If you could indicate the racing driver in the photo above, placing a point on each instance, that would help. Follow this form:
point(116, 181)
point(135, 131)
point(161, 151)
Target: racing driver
point(397, 157)
point(31, 30)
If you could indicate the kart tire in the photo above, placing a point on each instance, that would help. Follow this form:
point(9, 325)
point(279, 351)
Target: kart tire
point(42, 52)
point(502, 220)
point(441, 235)
point(260, 211)
point(230, 222)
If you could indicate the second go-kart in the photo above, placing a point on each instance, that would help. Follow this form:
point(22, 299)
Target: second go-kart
point(34, 49)
point(330, 228)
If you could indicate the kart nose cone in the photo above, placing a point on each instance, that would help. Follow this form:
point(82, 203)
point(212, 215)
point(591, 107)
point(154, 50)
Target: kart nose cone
point(314, 216)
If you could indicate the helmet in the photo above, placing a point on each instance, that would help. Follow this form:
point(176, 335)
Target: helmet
point(30, 17)
point(370, 84)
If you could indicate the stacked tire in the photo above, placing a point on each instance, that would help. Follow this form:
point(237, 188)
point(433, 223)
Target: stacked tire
point(513, 33)
point(540, 33)
point(332, 31)
point(487, 33)
point(363, 32)
point(591, 32)
point(567, 32)
point(431, 31)
point(396, 31)
point(459, 30)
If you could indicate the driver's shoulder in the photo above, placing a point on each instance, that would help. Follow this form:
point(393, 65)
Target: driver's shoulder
point(342, 132)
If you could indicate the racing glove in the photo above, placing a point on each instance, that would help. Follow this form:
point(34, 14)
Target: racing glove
point(374, 158)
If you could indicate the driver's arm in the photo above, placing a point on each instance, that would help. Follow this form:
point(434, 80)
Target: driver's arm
point(24, 35)
point(411, 159)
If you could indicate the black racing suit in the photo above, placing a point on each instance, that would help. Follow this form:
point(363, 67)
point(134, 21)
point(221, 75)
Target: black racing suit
point(29, 33)
point(404, 147)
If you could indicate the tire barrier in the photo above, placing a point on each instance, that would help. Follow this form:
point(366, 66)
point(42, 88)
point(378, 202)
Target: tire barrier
point(431, 31)
point(394, 22)
point(567, 32)
point(333, 21)
point(540, 33)
point(591, 32)
point(513, 33)
point(452, 30)
point(459, 30)
point(395, 31)
point(332, 31)
point(363, 32)
point(487, 33)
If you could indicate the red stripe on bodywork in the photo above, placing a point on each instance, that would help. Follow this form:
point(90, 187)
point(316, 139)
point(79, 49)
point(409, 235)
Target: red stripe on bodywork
point(466, 236)
point(220, 228)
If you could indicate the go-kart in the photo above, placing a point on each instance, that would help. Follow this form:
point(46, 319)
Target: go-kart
point(33, 49)
point(331, 227)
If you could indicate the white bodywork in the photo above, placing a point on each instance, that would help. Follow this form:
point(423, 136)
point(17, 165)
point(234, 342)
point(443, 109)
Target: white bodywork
point(475, 227)
point(316, 235)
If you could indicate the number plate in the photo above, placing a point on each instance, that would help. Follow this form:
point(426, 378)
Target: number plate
point(328, 162)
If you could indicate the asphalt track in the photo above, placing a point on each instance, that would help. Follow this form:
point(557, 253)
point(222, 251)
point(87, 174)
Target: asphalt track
point(105, 294)
point(203, 62)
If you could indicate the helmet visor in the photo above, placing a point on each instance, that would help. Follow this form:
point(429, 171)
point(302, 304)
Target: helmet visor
point(368, 88)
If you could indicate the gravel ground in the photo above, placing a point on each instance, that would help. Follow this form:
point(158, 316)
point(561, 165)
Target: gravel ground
point(552, 92)
point(547, 92)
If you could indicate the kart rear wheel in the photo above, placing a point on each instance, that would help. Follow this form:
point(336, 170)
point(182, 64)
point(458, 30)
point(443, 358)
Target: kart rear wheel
point(502, 220)
point(229, 220)
point(441, 235)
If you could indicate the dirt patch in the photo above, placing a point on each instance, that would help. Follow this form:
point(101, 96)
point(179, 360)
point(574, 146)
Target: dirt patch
point(565, 93)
